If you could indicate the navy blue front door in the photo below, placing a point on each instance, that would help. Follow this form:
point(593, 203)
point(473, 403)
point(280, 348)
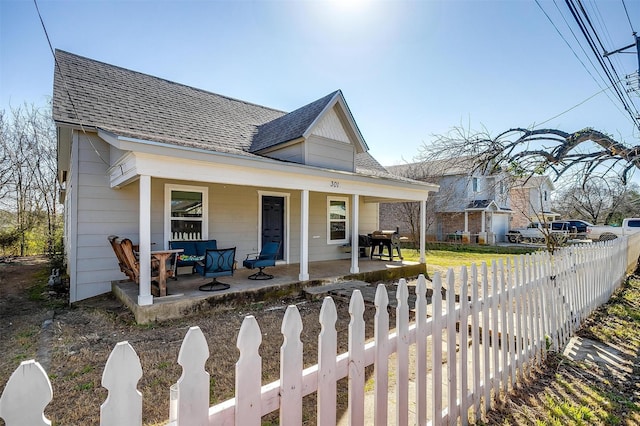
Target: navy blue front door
point(273, 221)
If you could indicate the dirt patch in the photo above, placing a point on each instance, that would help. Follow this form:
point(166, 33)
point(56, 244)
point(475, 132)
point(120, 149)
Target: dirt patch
point(85, 334)
point(22, 310)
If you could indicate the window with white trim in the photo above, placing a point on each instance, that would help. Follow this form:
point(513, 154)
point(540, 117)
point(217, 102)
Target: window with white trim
point(337, 220)
point(186, 213)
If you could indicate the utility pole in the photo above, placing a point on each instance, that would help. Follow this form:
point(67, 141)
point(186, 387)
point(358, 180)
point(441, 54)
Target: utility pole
point(622, 49)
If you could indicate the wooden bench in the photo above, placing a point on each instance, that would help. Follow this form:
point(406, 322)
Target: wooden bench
point(130, 265)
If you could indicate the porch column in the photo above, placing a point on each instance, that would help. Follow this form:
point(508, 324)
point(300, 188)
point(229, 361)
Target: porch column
point(355, 219)
point(144, 293)
point(423, 230)
point(482, 236)
point(466, 221)
point(304, 235)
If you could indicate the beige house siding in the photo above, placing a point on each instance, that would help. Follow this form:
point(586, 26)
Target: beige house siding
point(521, 207)
point(99, 212)
point(322, 152)
point(232, 221)
point(293, 153)
point(331, 127)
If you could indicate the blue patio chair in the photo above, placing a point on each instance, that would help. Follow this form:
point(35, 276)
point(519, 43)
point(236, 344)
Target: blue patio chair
point(266, 257)
point(216, 263)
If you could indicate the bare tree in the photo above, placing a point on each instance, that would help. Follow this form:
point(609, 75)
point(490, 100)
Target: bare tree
point(535, 151)
point(408, 213)
point(28, 171)
point(600, 200)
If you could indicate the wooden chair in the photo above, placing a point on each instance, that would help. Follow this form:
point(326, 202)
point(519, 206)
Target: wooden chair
point(129, 262)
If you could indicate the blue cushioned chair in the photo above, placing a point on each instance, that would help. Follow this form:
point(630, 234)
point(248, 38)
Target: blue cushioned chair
point(266, 257)
point(216, 263)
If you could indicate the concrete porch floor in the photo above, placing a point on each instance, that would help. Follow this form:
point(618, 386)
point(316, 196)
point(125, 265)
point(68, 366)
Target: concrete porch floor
point(184, 298)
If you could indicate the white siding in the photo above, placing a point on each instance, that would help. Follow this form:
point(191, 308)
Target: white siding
point(100, 211)
point(322, 152)
point(330, 127)
point(453, 194)
point(293, 153)
point(319, 248)
point(233, 219)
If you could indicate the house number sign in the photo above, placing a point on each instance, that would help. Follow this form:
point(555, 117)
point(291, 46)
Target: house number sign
point(335, 184)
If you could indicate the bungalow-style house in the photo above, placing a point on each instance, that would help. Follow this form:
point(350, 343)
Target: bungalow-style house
point(470, 206)
point(156, 161)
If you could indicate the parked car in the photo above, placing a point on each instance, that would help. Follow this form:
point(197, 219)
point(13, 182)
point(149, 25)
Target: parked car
point(579, 225)
point(630, 225)
point(537, 232)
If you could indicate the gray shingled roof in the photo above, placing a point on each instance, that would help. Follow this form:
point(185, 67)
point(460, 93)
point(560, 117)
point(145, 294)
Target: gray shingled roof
point(427, 170)
point(136, 105)
point(290, 126)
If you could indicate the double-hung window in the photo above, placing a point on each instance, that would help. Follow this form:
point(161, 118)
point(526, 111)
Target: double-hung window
point(337, 220)
point(186, 213)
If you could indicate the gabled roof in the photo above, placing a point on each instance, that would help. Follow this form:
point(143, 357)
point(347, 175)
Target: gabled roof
point(135, 105)
point(435, 169)
point(484, 205)
point(290, 126)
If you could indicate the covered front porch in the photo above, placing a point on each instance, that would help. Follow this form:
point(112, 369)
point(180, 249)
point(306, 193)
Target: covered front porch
point(184, 297)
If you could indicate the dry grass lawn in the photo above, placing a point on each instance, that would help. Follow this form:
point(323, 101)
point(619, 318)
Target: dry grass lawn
point(562, 393)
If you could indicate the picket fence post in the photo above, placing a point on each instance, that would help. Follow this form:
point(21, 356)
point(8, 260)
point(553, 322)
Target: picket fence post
point(504, 331)
point(436, 352)
point(475, 340)
point(248, 374)
point(495, 335)
point(25, 396)
point(452, 365)
point(327, 351)
point(193, 384)
point(464, 347)
point(291, 368)
point(381, 356)
point(402, 354)
point(421, 351)
point(356, 359)
point(120, 377)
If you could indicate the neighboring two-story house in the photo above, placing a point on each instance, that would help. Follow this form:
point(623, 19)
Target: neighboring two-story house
point(470, 204)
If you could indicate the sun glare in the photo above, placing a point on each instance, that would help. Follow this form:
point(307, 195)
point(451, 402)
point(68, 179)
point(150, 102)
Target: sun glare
point(349, 4)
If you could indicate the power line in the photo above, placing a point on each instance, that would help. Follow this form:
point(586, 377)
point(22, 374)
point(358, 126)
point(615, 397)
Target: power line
point(627, 104)
point(64, 82)
point(629, 19)
point(615, 104)
point(572, 108)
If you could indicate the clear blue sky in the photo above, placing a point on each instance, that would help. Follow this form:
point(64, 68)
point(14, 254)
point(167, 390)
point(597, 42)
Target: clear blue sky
point(408, 69)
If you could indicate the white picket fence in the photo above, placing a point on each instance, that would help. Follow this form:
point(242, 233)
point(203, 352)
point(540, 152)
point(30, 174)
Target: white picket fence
point(515, 312)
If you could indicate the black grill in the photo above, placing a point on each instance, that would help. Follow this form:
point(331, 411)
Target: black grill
point(381, 240)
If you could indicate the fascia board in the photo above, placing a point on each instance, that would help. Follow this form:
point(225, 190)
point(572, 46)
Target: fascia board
point(251, 173)
point(176, 162)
